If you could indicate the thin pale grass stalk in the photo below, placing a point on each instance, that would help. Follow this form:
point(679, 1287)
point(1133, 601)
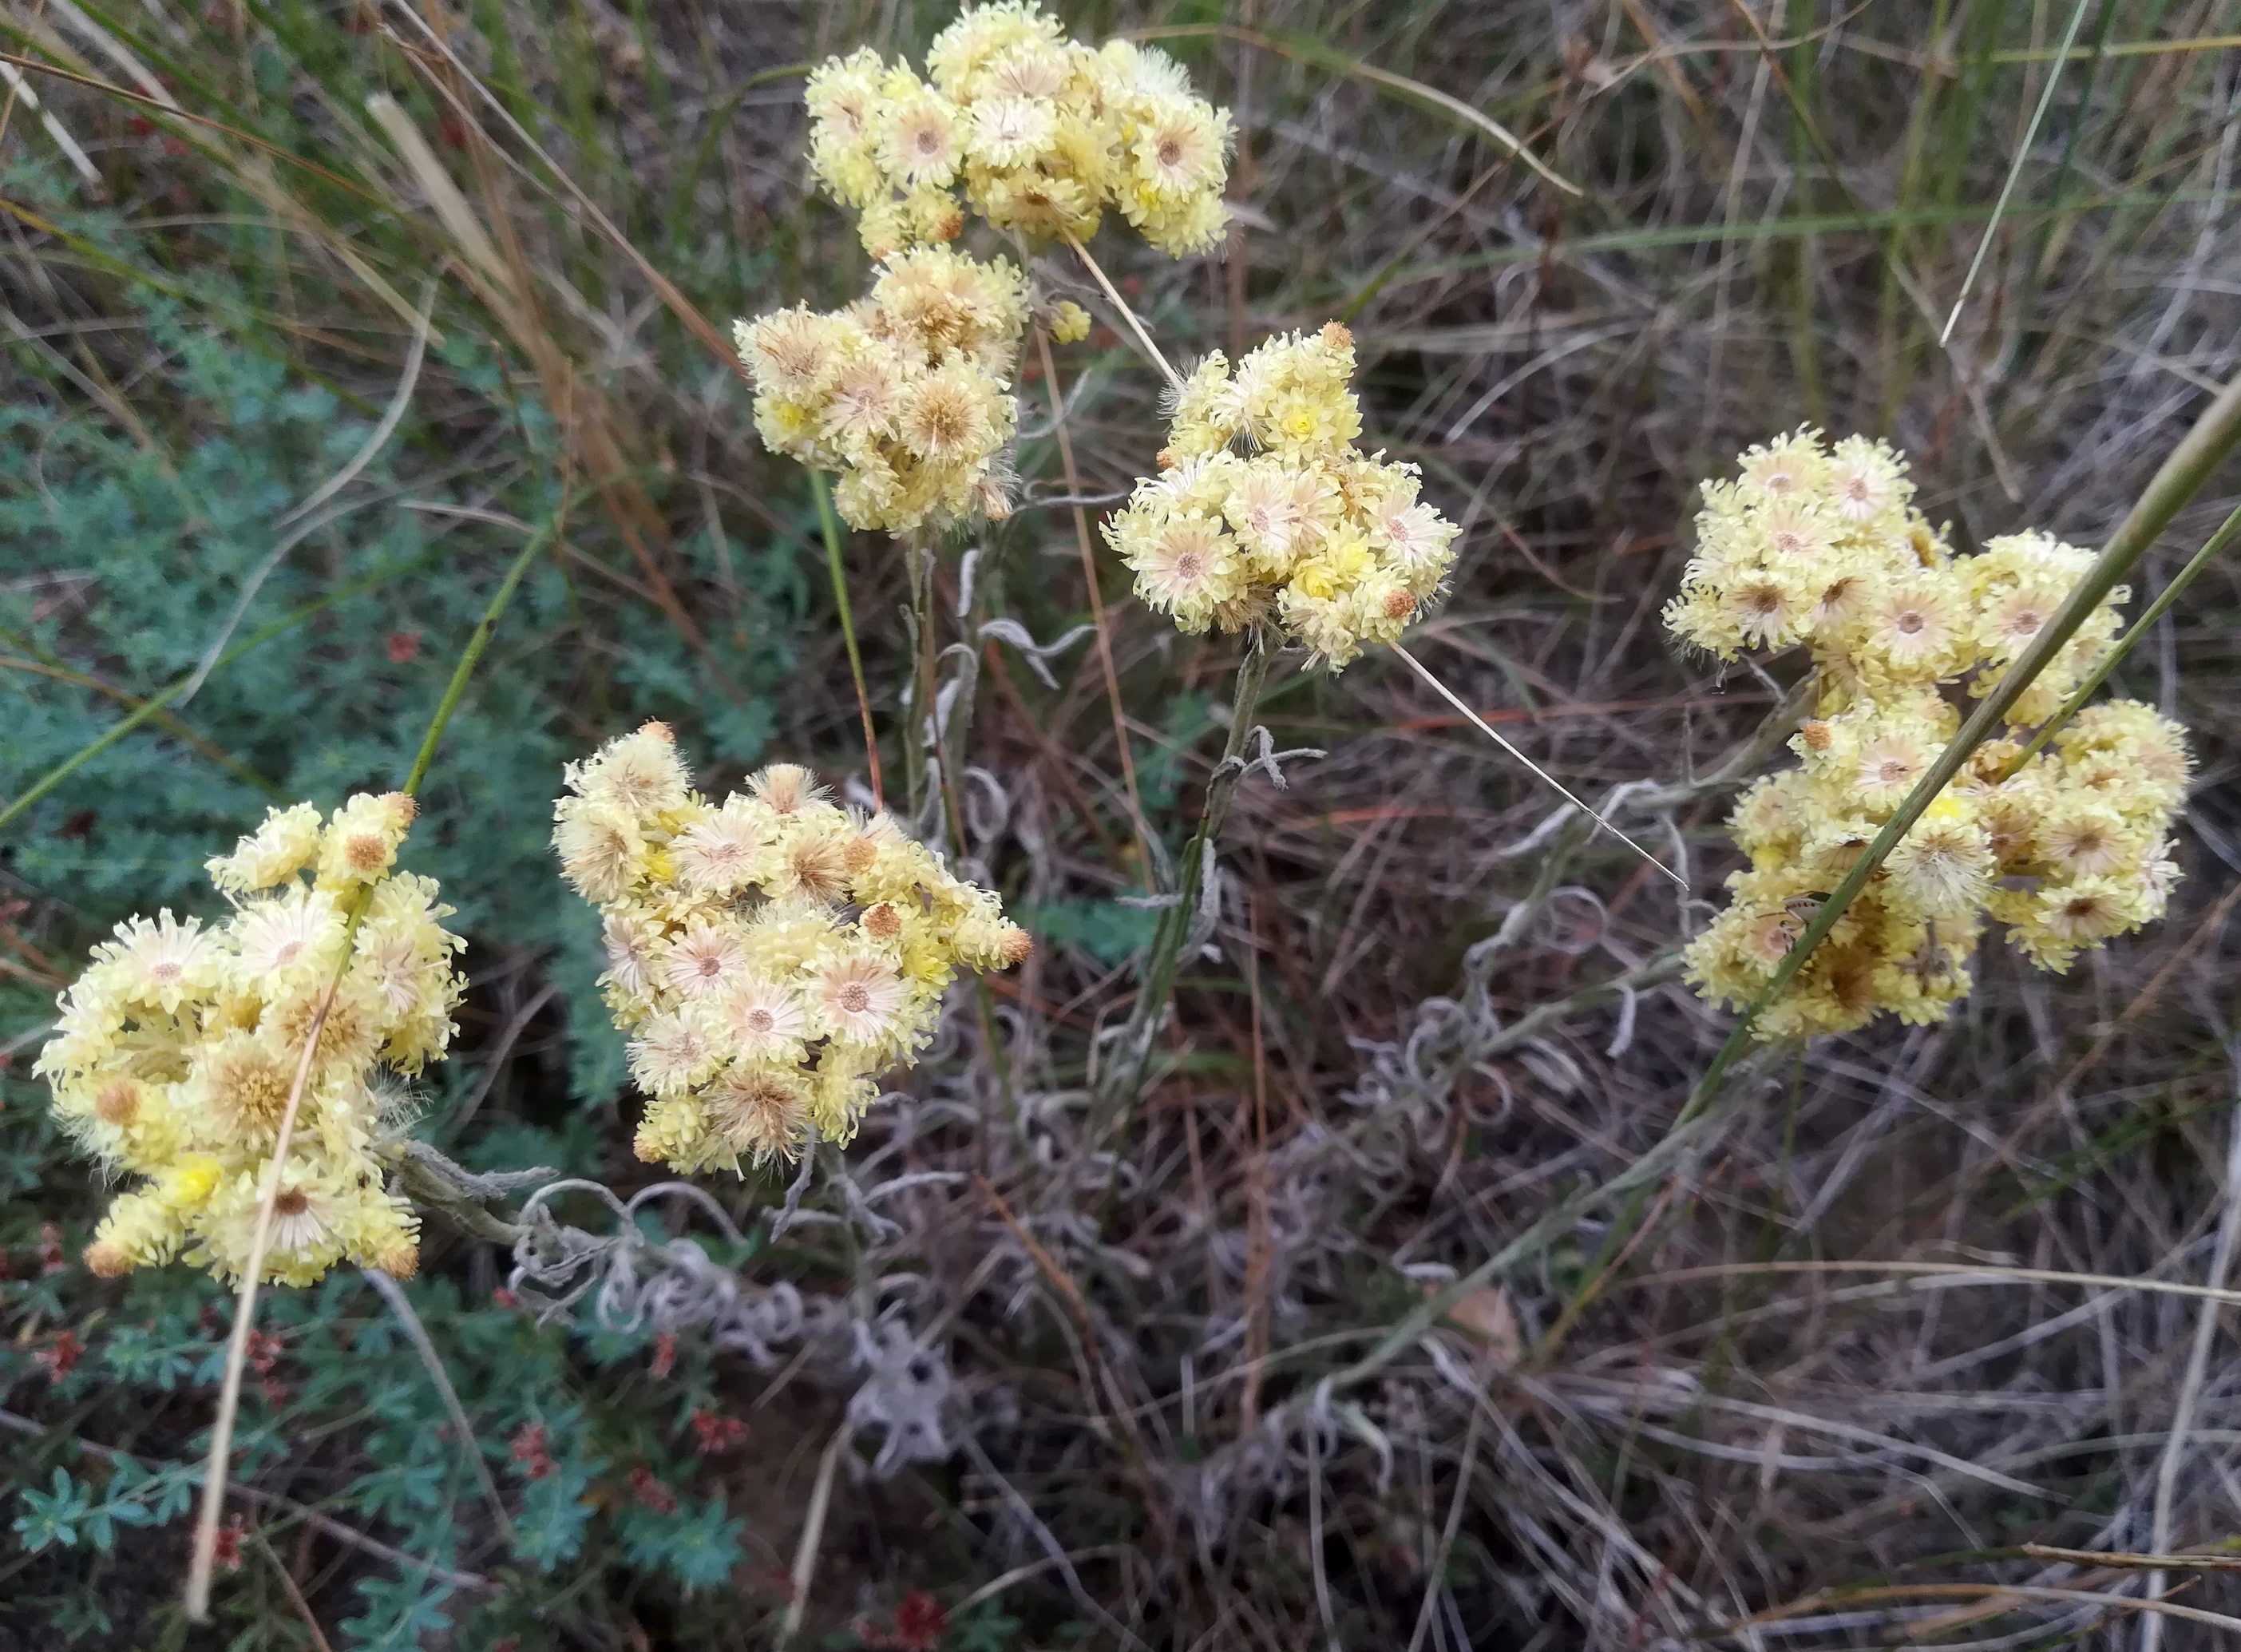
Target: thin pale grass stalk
point(2021, 1593)
point(2023, 153)
point(1302, 48)
point(1954, 1273)
point(295, 1593)
point(1097, 615)
point(302, 519)
point(1128, 315)
point(2228, 531)
point(1548, 779)
point(155, 704)
point(401, 1305)
point(2121, 1560)
point(2197, 1367)
point(812, 1537)
point(200, 1569)
point(831, 527)
point(245, 1313)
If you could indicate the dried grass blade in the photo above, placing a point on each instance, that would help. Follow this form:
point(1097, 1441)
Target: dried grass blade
point(2023, 153)
point(1488, 729)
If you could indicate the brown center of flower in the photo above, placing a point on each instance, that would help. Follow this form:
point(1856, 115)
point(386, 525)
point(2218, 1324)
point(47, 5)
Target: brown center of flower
point(1171, 151)
point(291, 1203)
point(759, 1021)
point(118, 1102)
point(1911, 621)
point(1893, 771)
point(855, 997)
point(709, 968)
point(365, 851)
point(1190, 566)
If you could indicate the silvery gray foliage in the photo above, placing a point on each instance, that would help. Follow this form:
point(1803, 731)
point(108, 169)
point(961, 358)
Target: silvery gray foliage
point(908, 1392)
point(635, 1284)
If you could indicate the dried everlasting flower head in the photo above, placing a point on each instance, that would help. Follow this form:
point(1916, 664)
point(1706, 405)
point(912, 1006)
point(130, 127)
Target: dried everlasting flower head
point(178, 1048)
point(1034, 132)
point(770, 955)
point(1821, 546)
point(905, 394)
point(1266, 512)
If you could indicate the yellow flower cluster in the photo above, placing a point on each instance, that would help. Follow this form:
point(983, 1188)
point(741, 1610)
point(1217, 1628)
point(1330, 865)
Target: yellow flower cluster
point(906, 394)
point(770, 956)
point(179, 1045)
point(1304, 531)
point(1036, 132)
point(1822, 545)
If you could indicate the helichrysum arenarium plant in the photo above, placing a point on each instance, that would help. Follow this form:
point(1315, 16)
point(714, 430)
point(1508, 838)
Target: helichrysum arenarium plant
point(1823, 546)
point(905, 394)
point(770, 955)
point(1030, 131)
point(1266, 513)
point(179, 1048)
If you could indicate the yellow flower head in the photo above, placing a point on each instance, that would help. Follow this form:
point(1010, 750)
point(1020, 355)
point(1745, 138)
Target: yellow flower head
point(1820, 545)
point(180, 1048)
point(1036, 133)
point(905, 394)
point(1268, 513)
point(769, 955)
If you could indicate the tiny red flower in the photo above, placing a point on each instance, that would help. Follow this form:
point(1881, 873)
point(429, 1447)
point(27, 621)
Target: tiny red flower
point(715, 1433)
point(402, 647)
point(528, 1448)
point(664, 1356)
point(51, 1260)
point(651, 1492)
point(453, 131)
point(920, 1623)
point(505, 1298)
point(228, 1544)
point(61, 1359)
point(263, 1352)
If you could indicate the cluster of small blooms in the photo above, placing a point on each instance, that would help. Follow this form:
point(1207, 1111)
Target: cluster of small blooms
point(1038, 133)
point(1304, 531)
point(1823, 546)
point(770, 955)
point(906, 394)
point(179, 1047)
